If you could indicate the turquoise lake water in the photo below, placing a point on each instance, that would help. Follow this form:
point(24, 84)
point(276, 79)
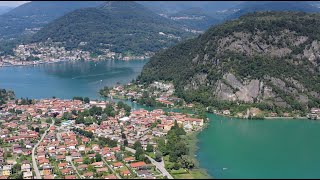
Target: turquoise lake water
point(229, 148)
point(68, 79)
point(275, 148)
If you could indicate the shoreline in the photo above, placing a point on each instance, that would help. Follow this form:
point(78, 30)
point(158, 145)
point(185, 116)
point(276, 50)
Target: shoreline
point(262, 118)
point(194, 147)
point(34, 63)
point(223, 115)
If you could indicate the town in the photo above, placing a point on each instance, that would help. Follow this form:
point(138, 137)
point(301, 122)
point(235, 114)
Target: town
point(82, 138)
point(51, 52)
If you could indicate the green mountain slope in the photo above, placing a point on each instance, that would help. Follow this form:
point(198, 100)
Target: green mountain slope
point(116, 25)
point(30, 17)
point(194, 18)
point(267, 59)
point(255, 6)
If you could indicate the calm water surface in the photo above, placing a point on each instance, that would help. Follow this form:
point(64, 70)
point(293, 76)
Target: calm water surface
point(260, 148)
point(229, 148)
point(68, 79)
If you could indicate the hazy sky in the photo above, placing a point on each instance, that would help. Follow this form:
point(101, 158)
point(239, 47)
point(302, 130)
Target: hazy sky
point(12, 3)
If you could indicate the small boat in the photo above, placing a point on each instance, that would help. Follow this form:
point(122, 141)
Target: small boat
point(224, 168)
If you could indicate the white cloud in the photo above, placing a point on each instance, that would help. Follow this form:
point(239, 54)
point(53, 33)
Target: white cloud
point(12, 3)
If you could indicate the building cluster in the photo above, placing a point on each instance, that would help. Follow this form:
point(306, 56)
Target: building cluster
point(314, 113)
point(50, 52)
point(65, 154)
point(62, 153)
point(142, 125)
point(41, 108)
point(163, 92)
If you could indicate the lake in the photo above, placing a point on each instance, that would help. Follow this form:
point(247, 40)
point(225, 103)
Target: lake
point(278, 148)
point(229, 148)
point(68, 79)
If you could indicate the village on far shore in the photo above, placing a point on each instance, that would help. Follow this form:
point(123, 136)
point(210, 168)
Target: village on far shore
point(52, 52)
point(45, 138)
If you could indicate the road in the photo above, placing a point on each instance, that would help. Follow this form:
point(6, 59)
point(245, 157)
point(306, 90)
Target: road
point(159, 165)
point(34, 162)
point(70, 160)
point(118, 176)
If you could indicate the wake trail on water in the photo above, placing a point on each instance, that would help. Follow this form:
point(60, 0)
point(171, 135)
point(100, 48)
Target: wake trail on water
point(94, 75)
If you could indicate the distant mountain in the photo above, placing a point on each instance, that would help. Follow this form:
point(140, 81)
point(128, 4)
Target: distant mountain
point(268, 60)
point(30, 17)
point(4, 9)
point(254, 6)
point(194, 18)
point(121, 26)
point(175, 6)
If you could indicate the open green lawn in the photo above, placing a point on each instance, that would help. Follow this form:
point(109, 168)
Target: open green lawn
point(151, 154)
point(184, 173)
point(191, 174)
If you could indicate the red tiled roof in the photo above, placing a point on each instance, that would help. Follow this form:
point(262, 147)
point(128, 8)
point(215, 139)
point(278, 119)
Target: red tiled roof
point(88, 174)
point(117, 164)
point(137, 164)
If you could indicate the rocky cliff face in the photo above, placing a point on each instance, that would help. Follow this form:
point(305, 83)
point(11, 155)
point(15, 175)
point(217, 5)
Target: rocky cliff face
point(270, 58)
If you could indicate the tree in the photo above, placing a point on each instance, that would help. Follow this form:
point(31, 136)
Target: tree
point(21, 143)
point(118, 156)
point(66, 116)
point(105, 91)
point(16, 168)
point(125, 142)
point(176, 166)
point(122, 147)
point(149, 148)
point(86, 160)
point(139, 155)
point(123, 136)
point(91, 168)
point(77, 98)
point(49, 120)
point(158, 156)
point(186, 162)
point(146, 160)
point(86, 100)
point(98, 157)
point(161, 144)
point(137, 145)
point(37, 129)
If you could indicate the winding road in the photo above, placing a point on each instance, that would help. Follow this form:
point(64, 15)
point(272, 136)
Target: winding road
point(159, 165)
point(34, 162)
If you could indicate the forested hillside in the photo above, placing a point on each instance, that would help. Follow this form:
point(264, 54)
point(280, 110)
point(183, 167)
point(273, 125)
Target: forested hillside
point(267, 59)
point(120, 26)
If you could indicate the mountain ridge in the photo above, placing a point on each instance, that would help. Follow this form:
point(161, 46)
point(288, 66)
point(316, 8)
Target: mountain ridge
point(124, 26)
point(268, 60)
